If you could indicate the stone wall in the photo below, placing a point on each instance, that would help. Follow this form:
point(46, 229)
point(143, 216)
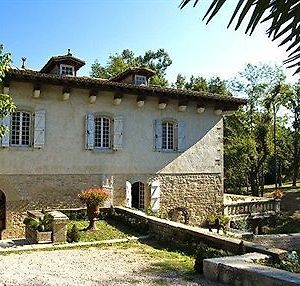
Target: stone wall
point(169, 231)
point(288, 242)
point(28, 192)
point(199, 194)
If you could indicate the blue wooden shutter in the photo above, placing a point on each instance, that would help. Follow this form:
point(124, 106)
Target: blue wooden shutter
point(157, 127)
point(39, 129)
point(90, 131)
point(118, 133)
point(181, 136)
point(6, 136)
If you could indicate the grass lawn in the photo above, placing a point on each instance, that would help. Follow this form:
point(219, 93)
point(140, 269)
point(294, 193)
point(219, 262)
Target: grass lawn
point(106, 229)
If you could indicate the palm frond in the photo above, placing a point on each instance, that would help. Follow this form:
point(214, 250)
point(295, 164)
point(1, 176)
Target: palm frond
point(283, 17)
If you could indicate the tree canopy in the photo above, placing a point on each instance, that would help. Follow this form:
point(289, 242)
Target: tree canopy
point(281, 16)
point(6, 103)
point(158, 61)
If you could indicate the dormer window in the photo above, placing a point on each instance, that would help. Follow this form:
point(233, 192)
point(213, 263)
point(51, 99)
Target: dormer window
point(67, 70)
point(140, 80)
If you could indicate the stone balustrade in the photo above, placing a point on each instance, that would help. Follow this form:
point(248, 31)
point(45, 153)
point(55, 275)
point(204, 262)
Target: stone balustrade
point(258, 207)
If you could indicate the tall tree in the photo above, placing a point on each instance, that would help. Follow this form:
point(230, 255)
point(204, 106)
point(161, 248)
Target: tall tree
point(256, 82)
point(282, 17)
point(292, 102)
point(6, 103)
point(158, 61)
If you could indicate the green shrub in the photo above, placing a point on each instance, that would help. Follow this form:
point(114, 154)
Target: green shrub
point(39, 224)
point(73, 234)
point(204, 252)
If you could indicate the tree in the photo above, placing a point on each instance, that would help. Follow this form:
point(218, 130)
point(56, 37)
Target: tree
point(253, 139)
point(6, 104)
point(197, 83)
point(158, 61)
point(292, 102)
point(282, 16)
point(216, 85)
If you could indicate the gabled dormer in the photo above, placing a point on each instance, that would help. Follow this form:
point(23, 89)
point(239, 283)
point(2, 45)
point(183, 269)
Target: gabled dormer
point(134, 75)
point(65, 65)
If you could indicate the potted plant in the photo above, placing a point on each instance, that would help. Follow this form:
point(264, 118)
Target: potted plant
point(93, 198)
point(38, 230)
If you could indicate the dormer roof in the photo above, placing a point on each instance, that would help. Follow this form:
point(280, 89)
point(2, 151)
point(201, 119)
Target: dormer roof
point(131, 72)
point(67, 59)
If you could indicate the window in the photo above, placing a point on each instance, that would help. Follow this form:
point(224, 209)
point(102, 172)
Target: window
point(140, 79)
point(26, 129)
point(102, 132)
point(20, 133)
point(66, 70)
point(168, 135)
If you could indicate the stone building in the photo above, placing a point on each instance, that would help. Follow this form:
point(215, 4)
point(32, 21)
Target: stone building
point(152, 147)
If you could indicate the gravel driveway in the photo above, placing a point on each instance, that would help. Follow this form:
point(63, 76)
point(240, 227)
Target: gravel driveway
point(93, 266)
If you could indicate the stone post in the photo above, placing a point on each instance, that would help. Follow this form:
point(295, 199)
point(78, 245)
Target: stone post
point(59, 226)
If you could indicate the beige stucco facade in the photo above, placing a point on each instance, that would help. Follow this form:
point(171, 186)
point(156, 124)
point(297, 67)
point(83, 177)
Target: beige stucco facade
point(52, 176)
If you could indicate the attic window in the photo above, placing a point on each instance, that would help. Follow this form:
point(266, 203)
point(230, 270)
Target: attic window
point(66, 70)
point(140, 80)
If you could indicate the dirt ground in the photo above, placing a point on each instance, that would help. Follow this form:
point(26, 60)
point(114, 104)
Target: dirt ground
point(94, 266)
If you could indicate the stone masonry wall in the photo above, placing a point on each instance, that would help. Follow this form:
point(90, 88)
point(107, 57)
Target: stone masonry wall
point(199, 194)
point(27, 192)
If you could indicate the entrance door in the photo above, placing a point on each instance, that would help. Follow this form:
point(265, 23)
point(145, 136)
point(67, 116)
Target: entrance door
point(2, 211)
point(138, 195)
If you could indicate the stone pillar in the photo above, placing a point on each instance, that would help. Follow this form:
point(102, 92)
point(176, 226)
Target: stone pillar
point(59, 226)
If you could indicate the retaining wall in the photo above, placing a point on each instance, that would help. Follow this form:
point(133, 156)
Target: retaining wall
point(170, 231)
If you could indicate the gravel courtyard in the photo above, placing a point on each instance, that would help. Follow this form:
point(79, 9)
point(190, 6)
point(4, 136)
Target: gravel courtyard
point(93, 266)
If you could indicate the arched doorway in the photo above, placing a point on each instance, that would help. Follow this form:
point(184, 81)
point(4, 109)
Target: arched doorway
point(2, 211)
point(138, 195)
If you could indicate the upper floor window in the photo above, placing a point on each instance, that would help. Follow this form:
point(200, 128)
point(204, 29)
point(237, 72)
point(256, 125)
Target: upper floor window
point(66, 70)
point(168, 135)
point(20, 133)
point(102, 132)
point(140, 79)
point(25, 129)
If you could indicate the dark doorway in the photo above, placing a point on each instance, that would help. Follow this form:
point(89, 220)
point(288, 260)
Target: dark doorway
point(138, 195)
point(2, 211)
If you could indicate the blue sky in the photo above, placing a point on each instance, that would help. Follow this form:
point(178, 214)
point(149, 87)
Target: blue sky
point(94, 29)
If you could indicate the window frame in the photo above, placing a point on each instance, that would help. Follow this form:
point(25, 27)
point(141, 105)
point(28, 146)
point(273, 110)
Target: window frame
point(110, 133)
point(175, 135)
point(137, 77)
point(66, 66)
point(30, 129)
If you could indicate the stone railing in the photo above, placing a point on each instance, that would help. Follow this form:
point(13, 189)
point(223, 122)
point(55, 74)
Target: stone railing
point(251, 206)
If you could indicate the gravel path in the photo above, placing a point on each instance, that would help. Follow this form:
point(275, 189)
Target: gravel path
point(93, 266)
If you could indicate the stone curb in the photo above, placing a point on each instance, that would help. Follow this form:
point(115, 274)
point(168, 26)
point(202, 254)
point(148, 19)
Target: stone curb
point(32, 247)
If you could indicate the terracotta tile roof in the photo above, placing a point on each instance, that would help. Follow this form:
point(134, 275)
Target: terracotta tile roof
point(227, 103)
point(133, 70)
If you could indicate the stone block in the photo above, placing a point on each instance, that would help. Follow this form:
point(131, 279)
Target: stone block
point(59, 226)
